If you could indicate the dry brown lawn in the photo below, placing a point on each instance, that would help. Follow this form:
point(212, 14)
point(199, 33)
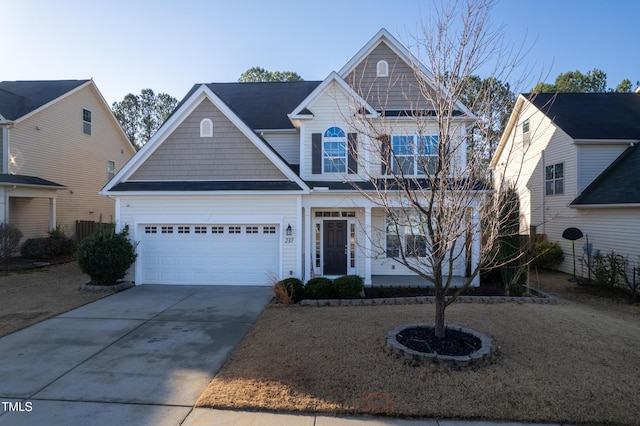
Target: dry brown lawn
point(577, 361)
point(30, 296)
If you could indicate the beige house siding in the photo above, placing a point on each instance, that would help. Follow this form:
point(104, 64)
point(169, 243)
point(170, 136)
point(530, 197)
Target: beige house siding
point(228, 155)
point(594, 159)
point(287, 144)
point(30, 216)
point(51, 145)
point(400, 90)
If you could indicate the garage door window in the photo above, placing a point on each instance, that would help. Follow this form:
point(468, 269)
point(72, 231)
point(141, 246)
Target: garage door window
point(200, 229)
point(235, 230)
point(251, 229)
point(167, 229)
point(269, 230)
point(150, 229)
point(217, 229)
point(183, 229)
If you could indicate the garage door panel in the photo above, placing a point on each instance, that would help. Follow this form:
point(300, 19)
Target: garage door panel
point(243, 254)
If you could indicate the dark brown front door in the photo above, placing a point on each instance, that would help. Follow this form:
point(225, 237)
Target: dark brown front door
point(335, 247)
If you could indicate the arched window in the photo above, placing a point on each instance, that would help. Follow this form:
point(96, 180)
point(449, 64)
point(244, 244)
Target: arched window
point(334, 150)
point(206, 128)
point(382, 69)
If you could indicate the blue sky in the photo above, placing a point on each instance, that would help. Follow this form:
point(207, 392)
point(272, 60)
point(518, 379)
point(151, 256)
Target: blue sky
point(168, 46)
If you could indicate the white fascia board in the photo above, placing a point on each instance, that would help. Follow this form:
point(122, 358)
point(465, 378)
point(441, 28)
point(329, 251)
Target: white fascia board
point(508, 130)
point(605, 206)
point(605, 141)
point(187, 193)
point(318, 91)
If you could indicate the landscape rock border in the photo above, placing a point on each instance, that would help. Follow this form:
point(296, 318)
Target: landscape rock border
point(413, 357)
point(107, 288)
point(538, 297)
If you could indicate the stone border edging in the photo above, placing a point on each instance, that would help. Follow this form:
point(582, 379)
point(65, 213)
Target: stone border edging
point(114, 288)
point(412, 357)
point(539, 298)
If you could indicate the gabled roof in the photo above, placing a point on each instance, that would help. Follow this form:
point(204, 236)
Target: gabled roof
point(182, 111)
point(606, 116)
point(264, 105)
point(618, 184)
point(301, 110)
point(20, 98)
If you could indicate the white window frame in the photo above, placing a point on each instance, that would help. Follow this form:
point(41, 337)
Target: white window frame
point(411, 230)
point(332, 163)
point(206, 128)
point(111, 169)
point(415, 156)
point(382, 68)
point(86, 124)
point(551, 183)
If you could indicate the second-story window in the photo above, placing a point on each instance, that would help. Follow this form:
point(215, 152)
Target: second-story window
point(414, 154)
point(111, 170)
point(526, 133)
point(206, 128)
point(334, 151)
point(554, 179)
point(86, 121)
point(382, 69)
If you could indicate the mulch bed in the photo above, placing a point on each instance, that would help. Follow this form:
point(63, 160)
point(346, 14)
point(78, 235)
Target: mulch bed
point(20, 264)
point(423, 339)
point(384, 292)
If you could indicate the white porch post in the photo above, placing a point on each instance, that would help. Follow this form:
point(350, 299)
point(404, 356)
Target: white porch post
point(52, 213)
point(4, 206)
point(475, 244)
point(367, 246)
point(307, 268)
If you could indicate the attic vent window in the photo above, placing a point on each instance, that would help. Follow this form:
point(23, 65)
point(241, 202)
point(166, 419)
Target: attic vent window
point(206, 128)
point(382, 69)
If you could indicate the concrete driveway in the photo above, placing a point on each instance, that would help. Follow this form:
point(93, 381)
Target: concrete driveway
point(142, 356)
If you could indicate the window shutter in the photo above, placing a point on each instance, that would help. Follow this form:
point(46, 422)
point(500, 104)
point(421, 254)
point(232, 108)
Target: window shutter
point(316, 153)
point(385, 150)
point(352, 152)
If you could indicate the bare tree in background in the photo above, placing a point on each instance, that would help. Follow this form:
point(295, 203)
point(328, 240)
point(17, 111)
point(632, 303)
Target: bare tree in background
point(415, 164)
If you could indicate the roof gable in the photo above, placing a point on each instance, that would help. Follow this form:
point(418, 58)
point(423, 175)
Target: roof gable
point(183, 113)
point(21, 98)
point(618, 184)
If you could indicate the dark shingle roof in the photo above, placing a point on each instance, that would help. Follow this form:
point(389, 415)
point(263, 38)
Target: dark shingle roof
point(19, 98)
point(207, 186)
point(27, 180)
point(592, 115)
point(618, 184)
point(261, 105)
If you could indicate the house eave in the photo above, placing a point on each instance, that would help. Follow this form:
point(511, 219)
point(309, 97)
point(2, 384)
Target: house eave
point(605, 206)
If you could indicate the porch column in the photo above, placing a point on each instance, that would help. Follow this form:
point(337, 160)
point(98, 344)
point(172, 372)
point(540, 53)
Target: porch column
point(52, 213)
point(4, 206)
point(307, 258)
point(475, 244)
point(367, 246)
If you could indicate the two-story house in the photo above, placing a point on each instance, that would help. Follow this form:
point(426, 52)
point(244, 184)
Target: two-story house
point(247, 181)
point(60, 144)
point(574, 159)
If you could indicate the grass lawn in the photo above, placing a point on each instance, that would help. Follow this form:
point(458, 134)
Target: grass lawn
point(569, 362)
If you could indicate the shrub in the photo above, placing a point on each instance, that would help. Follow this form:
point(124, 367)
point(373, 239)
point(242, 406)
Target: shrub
point(47, 248)
point(348, 286)
point(319, 288)
point(289, 290)
point(10, 237)
point(548, 255)
point(106, 256)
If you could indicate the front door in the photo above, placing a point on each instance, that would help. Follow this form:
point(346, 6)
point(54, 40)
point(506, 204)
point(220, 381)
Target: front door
point(335, 247)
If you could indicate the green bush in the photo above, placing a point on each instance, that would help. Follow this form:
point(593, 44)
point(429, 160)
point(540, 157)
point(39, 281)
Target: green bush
point(548, 255)
point(10, 237)
point(106, 256)
point(292, 287)
point(348, 286)
point(48, 248)
point(319, 288)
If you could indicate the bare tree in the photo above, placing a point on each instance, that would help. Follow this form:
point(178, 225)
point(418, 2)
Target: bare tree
point(415, 165)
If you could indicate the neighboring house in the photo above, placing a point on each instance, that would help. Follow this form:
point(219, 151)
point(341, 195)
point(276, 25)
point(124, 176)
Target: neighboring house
point(60, 144)
point(246, 182)
point(575, 160)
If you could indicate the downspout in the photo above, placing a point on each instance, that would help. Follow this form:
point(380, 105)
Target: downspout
point(543, 186)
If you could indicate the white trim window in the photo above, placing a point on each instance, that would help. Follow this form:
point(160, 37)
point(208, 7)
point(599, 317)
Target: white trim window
point(406, 234)
point(414, 155)
point(206, 128)
point(111, 169)
point(554, 179)
point(382, 69)
point(334, 151)
point(86, 121)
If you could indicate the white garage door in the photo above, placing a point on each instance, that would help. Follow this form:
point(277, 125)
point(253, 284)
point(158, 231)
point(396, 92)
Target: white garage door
point(243, 254)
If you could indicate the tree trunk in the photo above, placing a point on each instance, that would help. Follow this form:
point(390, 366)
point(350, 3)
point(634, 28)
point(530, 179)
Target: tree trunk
point(439, 326)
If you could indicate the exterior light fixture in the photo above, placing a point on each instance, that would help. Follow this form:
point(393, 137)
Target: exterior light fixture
point(289, 231)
